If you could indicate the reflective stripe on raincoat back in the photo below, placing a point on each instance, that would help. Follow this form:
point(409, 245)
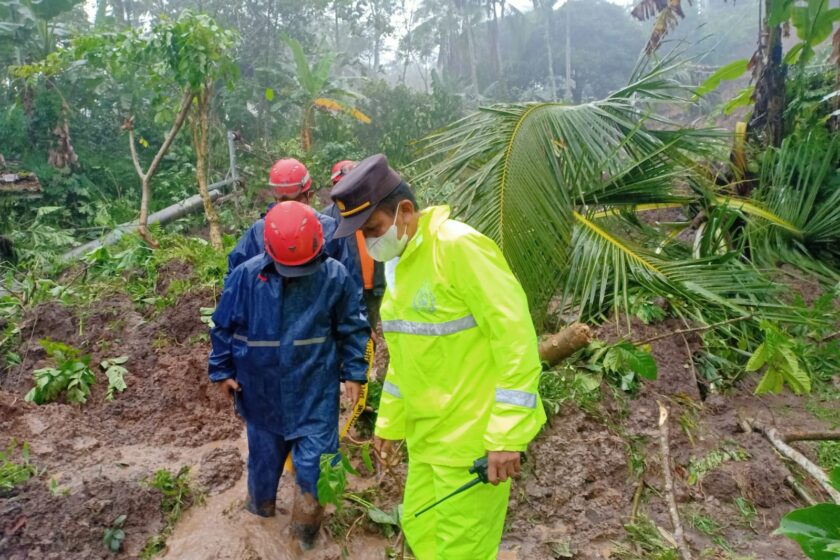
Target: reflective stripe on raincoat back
point(464, 372)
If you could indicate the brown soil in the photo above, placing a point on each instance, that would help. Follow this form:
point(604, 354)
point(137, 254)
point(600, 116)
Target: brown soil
point(100, 454)
point(576, 490)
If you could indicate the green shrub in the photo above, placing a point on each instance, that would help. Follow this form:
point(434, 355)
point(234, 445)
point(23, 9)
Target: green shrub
point(71, 375)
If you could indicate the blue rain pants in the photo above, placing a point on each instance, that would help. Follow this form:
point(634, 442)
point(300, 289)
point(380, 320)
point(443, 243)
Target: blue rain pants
point(267, 453)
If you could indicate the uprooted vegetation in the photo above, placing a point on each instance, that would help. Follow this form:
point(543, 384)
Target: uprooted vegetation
point(592, 486)
point(701, 421)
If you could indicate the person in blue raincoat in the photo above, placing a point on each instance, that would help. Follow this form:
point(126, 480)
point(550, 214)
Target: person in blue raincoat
point(289, 179)
point(288, 329)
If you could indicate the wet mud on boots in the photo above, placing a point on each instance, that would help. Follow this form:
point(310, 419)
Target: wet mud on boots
point(306, 520)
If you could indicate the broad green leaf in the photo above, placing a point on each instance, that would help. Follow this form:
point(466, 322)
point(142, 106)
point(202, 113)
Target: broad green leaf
point(779, 11)
point(772, 382)
point(792, 56)
point(743, 99)
point(797, 379)
point(731, 71)
point(269, 94)
point(587, 383)
point(816, 529)
point(304, 74)
point(834, 478)
point(378, 516)
point(366, 457)
point(813, 22)
point(759, 357)
point(345, 462)
point(643, 364)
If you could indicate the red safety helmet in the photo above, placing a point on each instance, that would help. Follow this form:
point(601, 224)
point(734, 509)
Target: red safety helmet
point(289, 178)
point(341, 169)
point(293, 238)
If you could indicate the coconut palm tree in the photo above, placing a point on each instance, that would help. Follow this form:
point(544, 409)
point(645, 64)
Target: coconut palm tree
point(563, 190)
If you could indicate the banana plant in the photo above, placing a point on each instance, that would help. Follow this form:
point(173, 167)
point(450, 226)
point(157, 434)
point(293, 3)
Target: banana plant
point(316, 92)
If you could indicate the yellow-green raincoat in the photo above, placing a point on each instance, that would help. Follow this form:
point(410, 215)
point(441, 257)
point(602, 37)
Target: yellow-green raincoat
point(462, 381)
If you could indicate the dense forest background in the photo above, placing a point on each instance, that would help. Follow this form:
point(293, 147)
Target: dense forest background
point(411, 67)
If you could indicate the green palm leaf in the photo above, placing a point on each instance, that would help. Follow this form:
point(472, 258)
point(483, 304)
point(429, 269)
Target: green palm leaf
point(800, 184)
point(521, 170)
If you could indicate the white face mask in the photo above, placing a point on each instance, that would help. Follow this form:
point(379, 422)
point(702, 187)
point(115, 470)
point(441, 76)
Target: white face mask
point(388, 246)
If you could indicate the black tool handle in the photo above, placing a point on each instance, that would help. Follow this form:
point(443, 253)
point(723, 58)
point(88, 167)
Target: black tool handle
point(479, 469)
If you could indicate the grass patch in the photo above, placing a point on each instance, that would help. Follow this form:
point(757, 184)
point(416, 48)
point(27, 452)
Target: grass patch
point(705, 524)
point(828, 454)
point(15, 472)
point(700, 467)
point(643, 542)
point(746, 511)
point(178, 494)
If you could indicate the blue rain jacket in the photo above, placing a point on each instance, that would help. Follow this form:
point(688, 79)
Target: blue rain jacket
point(252, 244)
point(288, 343)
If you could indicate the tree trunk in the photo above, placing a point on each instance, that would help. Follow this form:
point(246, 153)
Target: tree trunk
point(376, 47)
point(563, 344)
point(306, 128)
point(119, 11)
point(465, 21)
point(552, 81)
point(146, 177)
point(337, 32)
point(200, 124)
point(568, 95)
point(495, 46)
point(767, 122)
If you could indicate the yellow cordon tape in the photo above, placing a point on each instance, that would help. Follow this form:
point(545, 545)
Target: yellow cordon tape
point(357, 410)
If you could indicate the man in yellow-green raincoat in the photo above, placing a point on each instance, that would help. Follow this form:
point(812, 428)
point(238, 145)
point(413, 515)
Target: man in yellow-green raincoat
point(464, 371)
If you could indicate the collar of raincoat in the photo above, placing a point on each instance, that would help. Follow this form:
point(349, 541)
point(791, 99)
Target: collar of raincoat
point(267, 265)
point(430, 221)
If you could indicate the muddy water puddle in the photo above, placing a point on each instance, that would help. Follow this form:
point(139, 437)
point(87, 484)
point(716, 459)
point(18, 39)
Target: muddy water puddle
point(222, 530)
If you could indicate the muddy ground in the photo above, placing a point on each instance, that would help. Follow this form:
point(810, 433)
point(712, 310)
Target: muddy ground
point(572, 502)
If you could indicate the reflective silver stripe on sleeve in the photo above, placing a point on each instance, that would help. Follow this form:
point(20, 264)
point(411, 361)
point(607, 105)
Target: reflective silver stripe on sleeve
point(391, 389)
point(258, 343)
point(518, 398)
point(309, 341)
point(430, 329)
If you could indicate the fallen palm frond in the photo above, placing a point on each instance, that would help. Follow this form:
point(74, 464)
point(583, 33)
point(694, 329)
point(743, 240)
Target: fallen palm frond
point(523, 169)
point(563, 190)
point(799, 185)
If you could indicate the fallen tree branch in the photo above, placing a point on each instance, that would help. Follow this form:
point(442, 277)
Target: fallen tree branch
point(830, 336)
point(637, 499)
point(694, 329)
point(800, 491)
point(811, 436)
point(679, 535)
point(564, 343)
point(773, 436)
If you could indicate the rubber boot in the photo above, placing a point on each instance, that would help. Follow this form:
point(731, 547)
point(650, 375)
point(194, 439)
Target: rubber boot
point(265, 509)
point(306, 519)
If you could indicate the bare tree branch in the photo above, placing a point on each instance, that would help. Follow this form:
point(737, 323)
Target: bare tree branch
point(679, 534)
point(773, 436)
